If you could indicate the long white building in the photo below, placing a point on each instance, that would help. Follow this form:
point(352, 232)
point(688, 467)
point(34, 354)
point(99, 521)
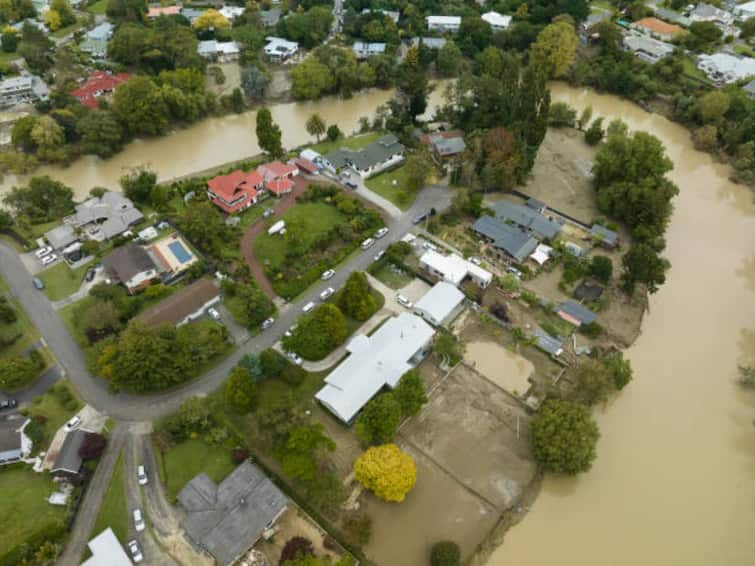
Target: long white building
point(443, 23)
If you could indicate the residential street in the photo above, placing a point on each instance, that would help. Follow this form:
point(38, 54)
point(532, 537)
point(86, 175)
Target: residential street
point(128, 407)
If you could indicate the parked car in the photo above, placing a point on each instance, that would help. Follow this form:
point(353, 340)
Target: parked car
point(8, 404)
point(475, 260)
point(90, 274)
point(296, 358)
point(267, 323)
point(379, 255)
point(268, 212)
point(290, 331)
point(74, 423)
point(42, 252)
point(430, 246)
point(136, 553)
point(404, 302)
point(382, 232)
point(48, 259)
point(327, 293)
point(138, 520)
point(352, 185)
point(37, 282)
point(308, 307)
point(515, 272)
point(141, 475)
point(420, 218)
point(213, 314)
point(367, 243)
point(328, 274)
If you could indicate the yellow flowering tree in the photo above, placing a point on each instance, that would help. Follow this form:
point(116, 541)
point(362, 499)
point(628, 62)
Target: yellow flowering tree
point(211, 19)
point(386, 471)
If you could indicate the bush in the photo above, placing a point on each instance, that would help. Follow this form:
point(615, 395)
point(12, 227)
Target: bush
point(293, 375)
point(358, 527)
point(564, 437)
point(318, 333)
point(92, 447)
point(561, 115)
point(601, 268)
point(296, 547)
point(592, 330)
point(272, 363)
point(379, 420)
point(239, 455)
point(386, 471)
point(445, 553)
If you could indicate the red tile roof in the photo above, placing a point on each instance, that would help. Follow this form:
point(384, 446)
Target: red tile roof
point(306, 165)
point(157, 11)
point(230, 187)
point(98, 83)
point(280, 186)
point(658, 26)
point(276, 169)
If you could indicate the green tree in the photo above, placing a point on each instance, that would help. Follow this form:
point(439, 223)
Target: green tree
point(594, 134)
point(445, 553)
point(702, 36)
point(254, 81)
point(299, 454)
point(309, 28)
point(138, 184)
point(592, 383)
point(42, 200)
point(561, 115)
point(620, 370)
point(64, 10)
point(240, 391)
point(713, 106)
point(318, 333)
point(101, 133)
point(268, 133)
point(413, 89)
point(747, 28)
point(334, 132)
point(584, 117)
point(140, 107)
point(490, 61)
point(379, 420)
point(315, 126)
point(248, 304)
point(211, 20)
point(311, 79)
point(356, 299)
point(21, 133)
point(642, 264)
point(601, 268)
point(564, 437)
point(47, 136)
point(9, 42)
point(556, 47)
point(418, 167)
point(449, 59)
point(272, 363)
point(18, 372)
point(410, 393)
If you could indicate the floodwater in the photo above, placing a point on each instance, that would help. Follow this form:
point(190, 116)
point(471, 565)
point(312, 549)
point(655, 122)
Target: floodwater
point(674, 481)
point(213, 142)
point(501, 366)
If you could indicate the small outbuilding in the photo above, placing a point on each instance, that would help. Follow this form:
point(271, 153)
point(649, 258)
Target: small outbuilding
point(588, 291)
point(575, 313)
point(68, 462)
point(441, 304)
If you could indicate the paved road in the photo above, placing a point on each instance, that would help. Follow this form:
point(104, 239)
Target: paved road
point(127, 407)
point(90, 506)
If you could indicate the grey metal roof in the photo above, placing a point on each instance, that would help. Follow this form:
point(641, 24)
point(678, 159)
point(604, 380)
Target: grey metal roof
point(113, 212)
point(68, 459)
point(377, 152)
point(61, 236)
point(512, 240)
point(540, 226)
point(101, 32)
point(448, 146)
point(270, 17)
point(577, 311)
point(604, 234)
point(587, 290)
point(439, 302)
point(431, 42)
point(125, 262)
point(547, 343)
point(673, 17)
point(364, 48)
point(227, 518)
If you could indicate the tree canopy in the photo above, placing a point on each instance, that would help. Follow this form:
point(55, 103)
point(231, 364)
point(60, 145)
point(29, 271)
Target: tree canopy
point(356, 298)
point(386, 471)
point(42, 200)
point(268, 133)
point(379, 420)
point(555, 47)
point(240, 390)
point(564, 437)
point(318, 333)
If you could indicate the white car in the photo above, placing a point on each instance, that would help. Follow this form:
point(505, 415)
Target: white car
point(308, 307)
point(141, 475)
point(267, 323)
point(136, 553)
point(515, 272)
point(48, 259)
point(138, 520)
point(475, 260)
point(296, 358)
point(328, 274)
point(327, 293)
point(74, 423)
point(42, 252)
point(380, 233)
point(367, 243)
point(404, 302)
point(379, 255)
point(214, 314)
point(290, 331)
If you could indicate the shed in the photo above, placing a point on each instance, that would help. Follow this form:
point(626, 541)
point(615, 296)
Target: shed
point(441, 304)
point(606, 237)
point(12, 440)
point(588, 291)
point(68, 462)
point(106, 551)
point(575, 313)
point(548, 343)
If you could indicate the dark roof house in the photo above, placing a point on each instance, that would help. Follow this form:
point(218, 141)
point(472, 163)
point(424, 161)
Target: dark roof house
point(226, 519)
point(68, 461)
point(588, 291)
point(11, 440)
point(539, 225)
point(182, 306)
point(575, 313)
point(370, 159)
point(608, 238)
point(130, 265)
point(512, 240)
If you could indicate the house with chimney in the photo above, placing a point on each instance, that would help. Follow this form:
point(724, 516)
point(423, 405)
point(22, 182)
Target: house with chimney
point(239, 190)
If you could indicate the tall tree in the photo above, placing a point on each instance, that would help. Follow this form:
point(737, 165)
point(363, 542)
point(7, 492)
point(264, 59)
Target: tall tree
point(140, 107)
point(379, 420)
point(315, 126)
point(101, 133)
point(556, 47)
point(42, 200)
point(268, 133)
point(304, 444)
point(564, 437)
point(386, 471)
point(410, 393)
point(240, 391)
point(356, 298)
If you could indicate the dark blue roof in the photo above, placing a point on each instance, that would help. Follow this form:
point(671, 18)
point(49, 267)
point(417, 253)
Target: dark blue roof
point(577, 311)
point(546, 342)
point(512, 240)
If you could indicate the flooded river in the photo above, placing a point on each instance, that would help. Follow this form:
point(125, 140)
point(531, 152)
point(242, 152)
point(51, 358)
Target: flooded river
point(674, 481)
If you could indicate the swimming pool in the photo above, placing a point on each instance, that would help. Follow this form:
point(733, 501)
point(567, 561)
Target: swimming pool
point(180, 252)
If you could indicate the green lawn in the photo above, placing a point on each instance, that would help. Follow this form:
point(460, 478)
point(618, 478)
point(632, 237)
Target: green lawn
point(598, 6)
point(251, 215)
point(691, 70)
point(70, 313)
point(22, 328)
point(398, 194)
point(113, 510)
point(745, 50)
point(354, 142)
point(184, 461)
point(60, 280)
point(3, 286)
point(99, 7)
point(391, 278)
point(57, 406)
point(62, 32)
point(311, 219)
point(25, 511)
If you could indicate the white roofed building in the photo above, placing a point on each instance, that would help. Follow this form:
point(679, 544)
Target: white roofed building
point(441, 304)
point(231, 12)
point(106, 551)
point(220, 50)
point(279, 49)
point(454, 269)
point(726, 68)
point(443, 23)
point(497, 21)
point(375, 362)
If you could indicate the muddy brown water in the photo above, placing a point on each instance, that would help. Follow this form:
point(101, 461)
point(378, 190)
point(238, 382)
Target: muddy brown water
point(674, 481)
point(501, 366)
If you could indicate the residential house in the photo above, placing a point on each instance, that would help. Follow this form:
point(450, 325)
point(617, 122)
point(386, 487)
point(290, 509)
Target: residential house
point(157, 11)
point(269, 18)
point(588, 291)
point(498, 22)
point(672, 17)
point(370, 160)
point(98, 83)
point(443, 24)
point(106, 551)
point(445, 145)
point(14, 444)
point(607, 238)
point(745, 11)
point(19, 26)
point(375, 362)
point(528, 219)
point(104, 218)
point(429, 42)
point(656, 28)
point(226, 519)
point(393, 16)
point(231, 12)
point(509, 241)
point(749, 88)
point(235, 191)
point(725, 68)
point(222, 51)
point(279, 50)
point(95, 40)
point(647, 48)
point(61, 237)
point(454, 269)
point(575, 313)
point(277, 170)
point(22, 90)
point(363, 50)
point(708, 13)
point(68, 461)
point(441, 304)
point(548, 343)
point(184, 306)
point(131, 266)
point(306, 166)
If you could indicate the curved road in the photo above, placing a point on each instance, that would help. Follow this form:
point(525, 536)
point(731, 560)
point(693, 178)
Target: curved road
point(129, 407)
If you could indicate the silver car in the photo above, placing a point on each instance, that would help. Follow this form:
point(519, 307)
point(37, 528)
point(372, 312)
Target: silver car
point(136, 553)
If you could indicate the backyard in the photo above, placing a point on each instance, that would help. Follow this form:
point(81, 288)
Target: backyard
point(61, 281)
point(57, 405)
point(22, 331)
point(113, 509)
point(393, 186)
point(178, 465)
point(353, 142)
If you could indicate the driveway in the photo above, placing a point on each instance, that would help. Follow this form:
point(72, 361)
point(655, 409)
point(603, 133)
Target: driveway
point(129, 407)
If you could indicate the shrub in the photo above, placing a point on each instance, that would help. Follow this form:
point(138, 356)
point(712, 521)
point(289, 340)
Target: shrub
point(272, 363)
point(445, 553)
point(601, 268)
point(564, 437)
point(358, 527)
point(92, 446)
point(379, 420)
point(296, 547)
point(592, 330)
point(293, 375)
point(239, 455)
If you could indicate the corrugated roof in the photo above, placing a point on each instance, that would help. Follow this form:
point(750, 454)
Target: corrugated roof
point(68, 459)
point(375, 153)
point(604, 234)
point(106, 551)
point(439, 302)
point(512, 240)
point(577, 311)
point(547, 343)
point(541, 226)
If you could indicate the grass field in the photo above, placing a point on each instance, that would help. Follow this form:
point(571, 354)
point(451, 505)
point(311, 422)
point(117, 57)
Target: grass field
point(69, 314)
point(354, 142)
point(398, 194)
point(391, 278)
point(25, 510)
point(184, 461)
point(23, 327)
point(62, 32)
point(61, 281)
point(745, 50)
point(311, 219)
point(113, 510)
point(99, 7)
point(57, 406)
